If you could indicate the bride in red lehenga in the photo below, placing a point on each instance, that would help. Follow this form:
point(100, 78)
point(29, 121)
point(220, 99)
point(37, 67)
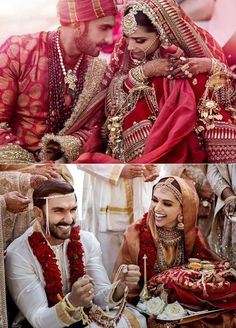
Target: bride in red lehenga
point(169, 93)
point(170, 238)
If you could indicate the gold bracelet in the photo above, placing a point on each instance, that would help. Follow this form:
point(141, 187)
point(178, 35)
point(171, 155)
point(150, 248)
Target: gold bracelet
point(137, 74)
point(64, 314)
point(79, 311)
point(70, 306)
point(229, 198)
point(217, 66)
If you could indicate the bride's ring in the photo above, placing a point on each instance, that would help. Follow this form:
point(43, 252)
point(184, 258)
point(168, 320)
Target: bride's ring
point(184, 67)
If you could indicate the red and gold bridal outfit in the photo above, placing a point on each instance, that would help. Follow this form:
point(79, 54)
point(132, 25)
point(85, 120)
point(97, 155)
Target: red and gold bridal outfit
point(161, 131)
point(32, 105)
point(168, 250)
point(165, 132)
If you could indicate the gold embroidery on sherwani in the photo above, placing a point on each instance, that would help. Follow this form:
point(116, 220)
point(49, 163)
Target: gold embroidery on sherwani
point(15, 154)
point(114, 173)
point(69, 145)
point(92, 86)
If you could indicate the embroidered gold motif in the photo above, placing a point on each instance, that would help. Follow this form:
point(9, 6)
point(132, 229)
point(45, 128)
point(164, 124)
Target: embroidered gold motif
point(70, 146)
point(129, 23)
point(92, 86)
point(15, 154)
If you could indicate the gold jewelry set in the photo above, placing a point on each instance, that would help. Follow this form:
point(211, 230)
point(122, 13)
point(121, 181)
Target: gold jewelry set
point(180, 225)
point(70, 76)
point(137, 75)
point(185, 70)
point(130, 25)
point(218, 92)
point(169, 238)
point(122, 108)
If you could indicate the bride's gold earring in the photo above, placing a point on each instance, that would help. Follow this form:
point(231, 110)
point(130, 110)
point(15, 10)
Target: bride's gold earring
point(180, 225)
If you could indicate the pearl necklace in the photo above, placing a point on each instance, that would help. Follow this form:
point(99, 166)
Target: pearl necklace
point(70, 77)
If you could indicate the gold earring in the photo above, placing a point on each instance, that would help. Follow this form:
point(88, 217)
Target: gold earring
point(180, 225)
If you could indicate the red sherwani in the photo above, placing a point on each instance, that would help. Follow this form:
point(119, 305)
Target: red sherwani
point(24, 89)
point(24, 96)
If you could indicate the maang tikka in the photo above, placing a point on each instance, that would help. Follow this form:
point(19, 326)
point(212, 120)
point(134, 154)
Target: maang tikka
point(129, 23)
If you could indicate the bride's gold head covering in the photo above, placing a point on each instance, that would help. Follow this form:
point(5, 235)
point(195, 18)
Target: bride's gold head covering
point(174, 27)
point(186, 194)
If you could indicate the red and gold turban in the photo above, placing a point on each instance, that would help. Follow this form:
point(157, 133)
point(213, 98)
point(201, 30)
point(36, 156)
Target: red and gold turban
point(71, 11)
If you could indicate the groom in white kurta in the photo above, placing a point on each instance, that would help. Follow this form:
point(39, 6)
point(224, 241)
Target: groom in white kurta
point(26, 278)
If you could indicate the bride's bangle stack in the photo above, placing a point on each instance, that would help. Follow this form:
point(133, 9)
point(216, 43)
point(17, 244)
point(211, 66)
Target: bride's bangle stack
point(217, 67)
point(137, 76)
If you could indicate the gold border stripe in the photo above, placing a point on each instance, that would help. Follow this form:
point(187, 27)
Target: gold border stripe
point(114, 209)
point(132, 318)
point(115, 170)
point(129, 197)
point(98, 8)
point(72, 10)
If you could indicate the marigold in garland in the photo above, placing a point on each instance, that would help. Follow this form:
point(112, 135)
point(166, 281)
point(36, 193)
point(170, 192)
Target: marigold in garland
point(47, 259)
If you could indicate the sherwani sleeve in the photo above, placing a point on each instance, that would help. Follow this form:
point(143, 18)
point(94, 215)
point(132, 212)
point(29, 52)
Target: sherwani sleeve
point(9, 74)
point(10, 144)
point(27, 289)
point(216, 180)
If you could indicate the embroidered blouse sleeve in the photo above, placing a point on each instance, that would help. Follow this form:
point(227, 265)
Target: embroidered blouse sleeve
point(27, 289)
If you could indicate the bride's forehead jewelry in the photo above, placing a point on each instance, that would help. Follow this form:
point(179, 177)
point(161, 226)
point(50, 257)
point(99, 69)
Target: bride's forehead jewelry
point(167, 185)
point(129, 23)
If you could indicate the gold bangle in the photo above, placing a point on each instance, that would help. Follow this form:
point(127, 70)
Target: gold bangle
point(137, 74)
point(70, 306)
point(217, 66)
point(229, 198)
point(78, 311)
point(63, 313)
